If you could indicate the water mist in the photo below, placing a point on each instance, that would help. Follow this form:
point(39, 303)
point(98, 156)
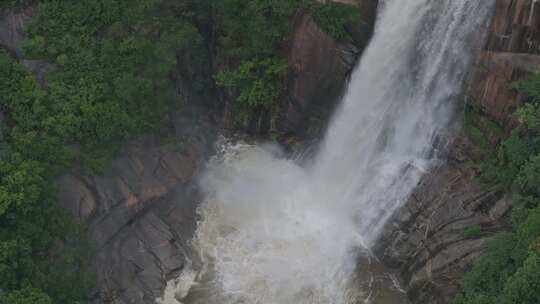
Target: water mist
point(275, 232)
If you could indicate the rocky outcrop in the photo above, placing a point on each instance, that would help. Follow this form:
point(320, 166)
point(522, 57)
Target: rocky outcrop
point(140, 213)
point(319, 68)
point(446, 223)
point(428, 239)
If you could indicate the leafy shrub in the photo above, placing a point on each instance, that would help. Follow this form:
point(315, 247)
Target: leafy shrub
point(259, 81)
point(333, 17)
point(253, 32)
point(472, 231)
point(26, 296)
point(524, 285)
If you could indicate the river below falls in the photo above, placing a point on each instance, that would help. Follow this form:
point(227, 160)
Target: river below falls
point(380, 285)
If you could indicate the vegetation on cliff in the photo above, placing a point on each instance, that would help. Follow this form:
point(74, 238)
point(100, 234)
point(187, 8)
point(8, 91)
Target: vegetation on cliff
point(110, 77)
point(251, 40)
point(509, 273)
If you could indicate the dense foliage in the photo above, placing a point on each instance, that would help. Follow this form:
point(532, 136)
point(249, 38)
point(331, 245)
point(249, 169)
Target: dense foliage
point(510, 271)
point(114, 58)
point(31, 224)
point(109, 77)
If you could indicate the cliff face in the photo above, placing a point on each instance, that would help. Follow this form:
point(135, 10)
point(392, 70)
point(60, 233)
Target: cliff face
point(512, 52)
point(319, 68)
point(428, 239)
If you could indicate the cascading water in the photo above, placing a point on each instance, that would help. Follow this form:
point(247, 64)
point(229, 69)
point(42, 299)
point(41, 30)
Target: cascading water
point(275, 232)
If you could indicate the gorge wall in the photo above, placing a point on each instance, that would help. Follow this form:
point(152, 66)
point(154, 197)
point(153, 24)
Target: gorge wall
point(428, 240)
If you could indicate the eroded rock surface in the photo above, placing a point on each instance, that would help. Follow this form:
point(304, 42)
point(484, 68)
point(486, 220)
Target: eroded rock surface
point(140, 213)
point(427, 238)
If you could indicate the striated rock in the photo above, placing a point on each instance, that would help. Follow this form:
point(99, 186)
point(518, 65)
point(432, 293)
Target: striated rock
point(515, 27)
point(426, 240)
point(512, 53)
point(493, 77)
point(141, 212)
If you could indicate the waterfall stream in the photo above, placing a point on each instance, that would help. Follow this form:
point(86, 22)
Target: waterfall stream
point(276, 232)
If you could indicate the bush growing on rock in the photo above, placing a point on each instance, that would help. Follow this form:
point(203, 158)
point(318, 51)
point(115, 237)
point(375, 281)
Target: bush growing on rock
point(472, 231)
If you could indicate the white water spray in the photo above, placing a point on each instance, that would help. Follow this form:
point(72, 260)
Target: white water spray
point(273, 232)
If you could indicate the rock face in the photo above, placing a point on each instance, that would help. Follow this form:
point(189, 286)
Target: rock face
point(319, 68)
point(512, 53)
point(428, 240)
point(431, 240)
point(140, 214)
point(12, 23)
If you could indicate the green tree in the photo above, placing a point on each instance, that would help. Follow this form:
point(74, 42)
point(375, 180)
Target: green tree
point(26, 296)
point(524, 286)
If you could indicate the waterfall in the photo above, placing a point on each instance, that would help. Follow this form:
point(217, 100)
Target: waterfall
point(276, 232)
